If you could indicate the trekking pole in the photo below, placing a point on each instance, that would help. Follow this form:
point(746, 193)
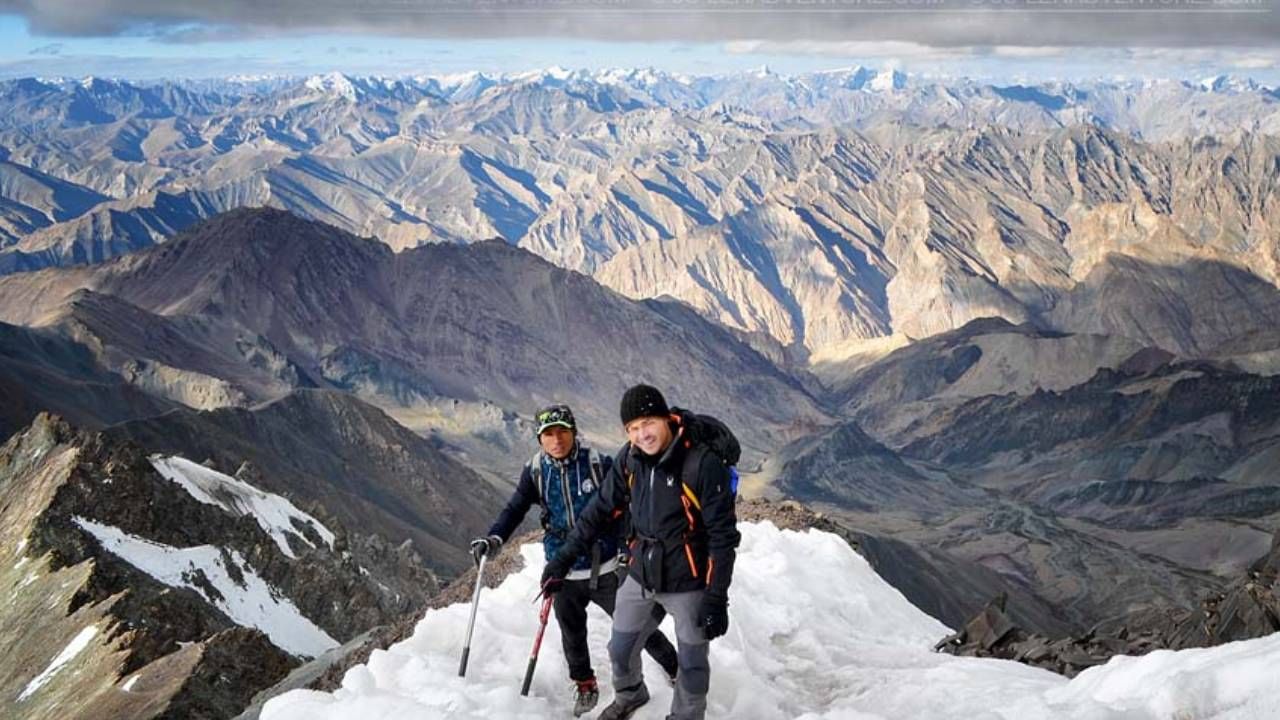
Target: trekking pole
point(537, 644)
point(475, 603)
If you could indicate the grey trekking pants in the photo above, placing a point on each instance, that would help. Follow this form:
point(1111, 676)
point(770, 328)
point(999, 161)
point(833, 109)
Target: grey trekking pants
point(633, 621)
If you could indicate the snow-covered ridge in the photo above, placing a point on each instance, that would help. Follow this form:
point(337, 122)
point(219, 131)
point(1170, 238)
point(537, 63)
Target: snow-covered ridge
point(246, 598)
point(276, 515)
point(815, 634)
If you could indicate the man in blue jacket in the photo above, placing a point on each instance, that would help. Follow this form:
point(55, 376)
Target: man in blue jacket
point(563, 478)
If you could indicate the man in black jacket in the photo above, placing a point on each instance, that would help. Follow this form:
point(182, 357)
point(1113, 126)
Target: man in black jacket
point(684, 540)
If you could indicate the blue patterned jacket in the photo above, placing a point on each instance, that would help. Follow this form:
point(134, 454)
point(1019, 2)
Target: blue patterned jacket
point(563, 488)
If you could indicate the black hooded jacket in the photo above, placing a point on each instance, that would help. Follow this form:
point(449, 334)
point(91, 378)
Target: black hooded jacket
point(684, 525)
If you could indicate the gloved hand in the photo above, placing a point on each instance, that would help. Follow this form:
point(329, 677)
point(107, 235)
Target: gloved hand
point(482, 546)
point(713, 615)
point(554, 573)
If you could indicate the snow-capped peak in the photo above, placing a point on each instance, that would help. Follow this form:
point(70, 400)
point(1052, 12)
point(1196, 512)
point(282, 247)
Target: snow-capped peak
point(554, 75)
point(637, 77)
point(1227, 83)
point(452, 80)
point(335, 83)
point(887, 80)
point(97, 84)
point(856, 77)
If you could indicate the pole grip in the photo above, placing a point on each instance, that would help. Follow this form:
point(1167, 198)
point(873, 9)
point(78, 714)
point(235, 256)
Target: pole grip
point(528, 676)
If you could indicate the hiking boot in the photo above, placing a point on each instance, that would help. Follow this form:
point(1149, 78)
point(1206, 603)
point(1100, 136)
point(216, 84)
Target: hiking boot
point(586, 695)
point(621, 711)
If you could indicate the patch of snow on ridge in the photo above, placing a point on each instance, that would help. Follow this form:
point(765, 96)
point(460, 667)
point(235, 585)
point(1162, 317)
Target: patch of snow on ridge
point(73, 648)
point(252, 603)
point(274, 513)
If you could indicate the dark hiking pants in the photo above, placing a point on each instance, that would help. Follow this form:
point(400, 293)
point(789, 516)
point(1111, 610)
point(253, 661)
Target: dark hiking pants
point(570, 604)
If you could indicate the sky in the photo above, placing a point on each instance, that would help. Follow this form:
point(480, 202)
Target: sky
point(1008, 40)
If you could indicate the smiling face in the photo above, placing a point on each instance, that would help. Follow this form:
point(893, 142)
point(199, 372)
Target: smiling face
point(556, 441)
point(650, 434)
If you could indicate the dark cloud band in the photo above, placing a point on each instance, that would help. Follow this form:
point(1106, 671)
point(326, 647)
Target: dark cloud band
point(939, 23)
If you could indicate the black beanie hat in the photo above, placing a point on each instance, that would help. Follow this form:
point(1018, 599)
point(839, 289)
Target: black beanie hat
point(642, 401)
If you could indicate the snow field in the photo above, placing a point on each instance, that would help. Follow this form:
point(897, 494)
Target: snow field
point(815, 634)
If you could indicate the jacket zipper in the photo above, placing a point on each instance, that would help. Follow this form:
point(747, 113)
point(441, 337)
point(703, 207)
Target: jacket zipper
point(564, 489)
point(652, 511)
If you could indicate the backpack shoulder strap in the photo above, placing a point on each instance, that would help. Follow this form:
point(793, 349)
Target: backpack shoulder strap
point(597, 469)
point(626, 470)
point(535, 472)
point(689, 473)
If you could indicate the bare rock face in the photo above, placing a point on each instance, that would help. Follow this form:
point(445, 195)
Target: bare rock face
point(992, 634)
point(1248, 608)
point(269, 303)
point(43, 370)
point(847, 468)
point(1096, 476)
point(816, 209)
point(985, 357)
point(154, 587)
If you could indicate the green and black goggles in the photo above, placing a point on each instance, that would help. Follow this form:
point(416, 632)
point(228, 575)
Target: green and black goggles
point(555, 415)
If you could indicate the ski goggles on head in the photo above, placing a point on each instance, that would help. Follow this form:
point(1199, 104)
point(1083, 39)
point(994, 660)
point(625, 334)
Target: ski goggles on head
point(554, 415)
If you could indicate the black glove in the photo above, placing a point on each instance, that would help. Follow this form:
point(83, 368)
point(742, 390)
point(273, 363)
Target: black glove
point(554, 573)
point(482, 546)
point(713, 615)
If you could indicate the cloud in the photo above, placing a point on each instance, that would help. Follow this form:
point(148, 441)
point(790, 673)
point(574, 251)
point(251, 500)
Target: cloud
point(1028, 51)
point(1254, 62)
point(1208, 59)
point(932, 23)
point(194, 33)
point(77, 65)
point(896, 49)
point(50, 49)
point(849, 49)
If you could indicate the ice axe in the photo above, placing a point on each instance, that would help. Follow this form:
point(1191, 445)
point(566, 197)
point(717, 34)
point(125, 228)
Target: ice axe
point(537, 643)
point(475, 603)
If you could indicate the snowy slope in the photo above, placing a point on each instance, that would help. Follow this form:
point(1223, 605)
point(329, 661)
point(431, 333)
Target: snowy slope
point(246, 598)
point(815, 634)
point(273, 513)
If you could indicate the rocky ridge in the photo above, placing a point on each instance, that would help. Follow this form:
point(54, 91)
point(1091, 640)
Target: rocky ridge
point(171, 602)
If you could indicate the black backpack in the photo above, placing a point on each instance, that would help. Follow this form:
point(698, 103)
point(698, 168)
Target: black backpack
point(719, 440)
